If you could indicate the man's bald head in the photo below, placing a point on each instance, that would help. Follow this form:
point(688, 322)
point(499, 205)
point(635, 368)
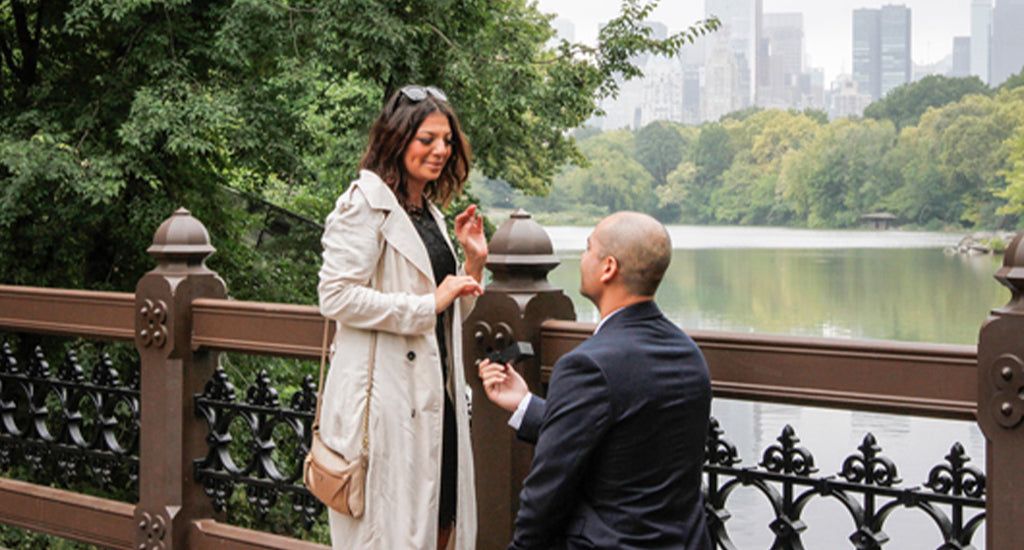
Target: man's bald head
point(640, 244)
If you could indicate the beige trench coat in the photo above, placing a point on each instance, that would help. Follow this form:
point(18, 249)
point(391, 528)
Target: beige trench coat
point(406, 407)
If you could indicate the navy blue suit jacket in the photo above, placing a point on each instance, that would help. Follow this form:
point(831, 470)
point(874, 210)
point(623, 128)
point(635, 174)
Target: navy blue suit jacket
point(619, 442)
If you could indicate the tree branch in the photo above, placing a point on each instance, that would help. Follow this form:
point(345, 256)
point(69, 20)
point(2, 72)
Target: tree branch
point(6, 53)
point(29, 48)
point(292, 9)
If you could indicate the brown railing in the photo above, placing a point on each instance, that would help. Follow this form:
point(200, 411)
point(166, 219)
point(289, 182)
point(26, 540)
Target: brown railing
point(181, 320)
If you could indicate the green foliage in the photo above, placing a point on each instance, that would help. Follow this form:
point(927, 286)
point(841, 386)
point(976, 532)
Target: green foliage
point(659, 148)
point(835, 179)
point(1015, 81)
point(953, 163)
point(905, 105)
point(14, 537)
point(1014, 174)
point(115, 113)
point(740, 115)
point(613, 179)
point(961, 165)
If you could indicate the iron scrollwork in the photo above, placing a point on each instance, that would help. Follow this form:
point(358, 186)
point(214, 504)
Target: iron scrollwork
point(68, 426)
point(866, 486)
point(272, 440)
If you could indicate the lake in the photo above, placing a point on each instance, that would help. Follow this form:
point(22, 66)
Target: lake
point(891, 285)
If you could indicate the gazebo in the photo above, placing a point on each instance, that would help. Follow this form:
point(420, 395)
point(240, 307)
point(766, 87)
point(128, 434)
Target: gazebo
point(880, 220)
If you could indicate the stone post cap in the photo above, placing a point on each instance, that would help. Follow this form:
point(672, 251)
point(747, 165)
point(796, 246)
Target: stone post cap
point(521, 249)
point(181, 238)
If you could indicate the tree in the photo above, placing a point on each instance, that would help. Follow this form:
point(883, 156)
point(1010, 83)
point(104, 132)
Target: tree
point(750, 192)
point(1014, 174)
point(116, 112)
point(835, 179)
point(1015, 81)
point(905, 105)
point(952, 161)
point(613, 179)
point(712, 156)
point(659, 148)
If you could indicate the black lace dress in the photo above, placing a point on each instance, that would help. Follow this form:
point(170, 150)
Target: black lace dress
point(442, 260)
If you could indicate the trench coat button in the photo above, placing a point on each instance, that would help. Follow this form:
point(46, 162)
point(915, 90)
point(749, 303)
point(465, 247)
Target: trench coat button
point(411, 356)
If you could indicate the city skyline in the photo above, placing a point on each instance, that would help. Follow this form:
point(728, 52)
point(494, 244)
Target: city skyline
point(827, 25)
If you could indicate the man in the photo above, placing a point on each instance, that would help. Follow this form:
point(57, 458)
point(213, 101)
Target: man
point(620, 439)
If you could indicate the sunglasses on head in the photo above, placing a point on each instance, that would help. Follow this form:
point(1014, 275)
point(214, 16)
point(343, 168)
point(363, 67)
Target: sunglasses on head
point(419, 93)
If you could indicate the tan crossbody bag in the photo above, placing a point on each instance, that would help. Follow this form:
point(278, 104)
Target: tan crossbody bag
point(336, 481)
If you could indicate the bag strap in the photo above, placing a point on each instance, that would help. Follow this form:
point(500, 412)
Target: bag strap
point(369, 384)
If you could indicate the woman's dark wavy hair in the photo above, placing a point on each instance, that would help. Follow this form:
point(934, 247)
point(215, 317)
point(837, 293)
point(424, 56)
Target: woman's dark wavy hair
point(395, 128)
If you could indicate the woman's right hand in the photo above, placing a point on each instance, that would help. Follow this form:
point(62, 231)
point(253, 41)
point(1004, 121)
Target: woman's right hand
point(452, 287)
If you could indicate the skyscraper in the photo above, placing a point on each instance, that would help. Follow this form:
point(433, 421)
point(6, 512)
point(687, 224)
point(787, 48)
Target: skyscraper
point(981, 37)
point(881, 49)
point(1007, 40)
point(961, 56)
point(722, 88)
point(895, 41)
point(781, 60)
point(740, 29)
point(867, 51)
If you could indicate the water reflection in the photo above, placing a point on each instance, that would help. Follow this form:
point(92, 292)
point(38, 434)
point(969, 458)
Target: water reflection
point(845, 284)
point(916, 295)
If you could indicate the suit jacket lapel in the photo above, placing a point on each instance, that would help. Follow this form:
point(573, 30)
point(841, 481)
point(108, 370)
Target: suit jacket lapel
point(398, 229)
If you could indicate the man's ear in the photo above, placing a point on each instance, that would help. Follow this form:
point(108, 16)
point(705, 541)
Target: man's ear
point(609, 268)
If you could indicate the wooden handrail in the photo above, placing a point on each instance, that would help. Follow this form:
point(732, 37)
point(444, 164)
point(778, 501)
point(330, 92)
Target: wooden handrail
point(919, 379)
point(80, 313)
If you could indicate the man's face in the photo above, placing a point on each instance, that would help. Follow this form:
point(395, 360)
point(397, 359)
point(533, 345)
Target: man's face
point(590, 269)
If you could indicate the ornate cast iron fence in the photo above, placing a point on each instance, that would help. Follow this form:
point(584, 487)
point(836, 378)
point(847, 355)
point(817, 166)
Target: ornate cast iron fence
point(266, 461)
point(866, 486)
point(72, 425)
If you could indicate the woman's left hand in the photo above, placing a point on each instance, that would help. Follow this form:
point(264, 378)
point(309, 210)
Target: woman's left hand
point(469, 230)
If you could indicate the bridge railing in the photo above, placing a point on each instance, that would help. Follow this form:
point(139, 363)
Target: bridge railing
point(199, 439)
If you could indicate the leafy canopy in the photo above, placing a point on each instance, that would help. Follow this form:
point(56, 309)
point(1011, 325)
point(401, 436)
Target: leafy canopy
point(113, 113)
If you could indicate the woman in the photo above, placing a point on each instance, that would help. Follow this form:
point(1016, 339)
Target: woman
point(389, 267)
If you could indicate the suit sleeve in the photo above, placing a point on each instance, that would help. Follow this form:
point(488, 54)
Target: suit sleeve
point(533, 417)
point(352, 249)
point(576, 417)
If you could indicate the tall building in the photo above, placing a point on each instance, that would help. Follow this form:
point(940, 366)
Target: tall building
point(895, 40)
point(1007, 40)
point(740, 29)
point(626, 110)
point(867, 51)
point(812, 88)
point(847, 99)
point(723, 92)
point(663, 90)
point(782, 60)
point(881, 49)
point(961, 56)
point(981, 39)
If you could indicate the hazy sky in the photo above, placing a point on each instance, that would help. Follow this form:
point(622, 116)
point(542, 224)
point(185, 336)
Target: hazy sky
point(827, 24)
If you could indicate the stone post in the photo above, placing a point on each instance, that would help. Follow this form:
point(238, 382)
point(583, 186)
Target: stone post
point(171, 436)
point(515, 303)
point(1001, 407)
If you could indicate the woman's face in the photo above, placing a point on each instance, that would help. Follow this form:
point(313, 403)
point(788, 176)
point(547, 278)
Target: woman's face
point(427, 153)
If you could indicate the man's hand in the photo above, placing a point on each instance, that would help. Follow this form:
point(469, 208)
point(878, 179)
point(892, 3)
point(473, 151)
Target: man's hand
point(503, 384)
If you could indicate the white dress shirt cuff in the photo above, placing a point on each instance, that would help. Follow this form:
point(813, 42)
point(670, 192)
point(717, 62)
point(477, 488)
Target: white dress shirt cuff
point(517, 417)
